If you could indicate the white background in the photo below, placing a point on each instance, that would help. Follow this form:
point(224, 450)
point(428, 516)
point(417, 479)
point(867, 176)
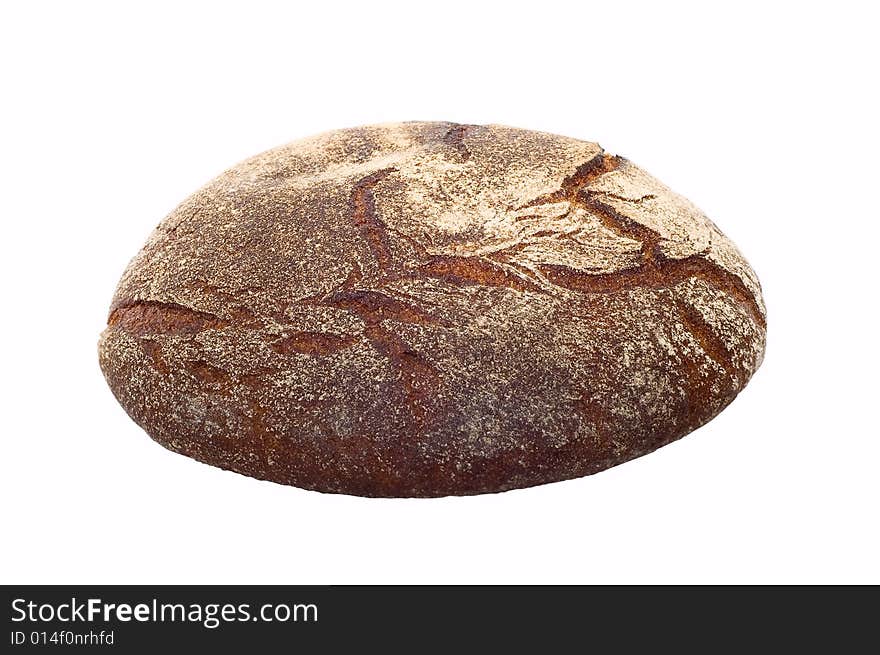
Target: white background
point(765, 115)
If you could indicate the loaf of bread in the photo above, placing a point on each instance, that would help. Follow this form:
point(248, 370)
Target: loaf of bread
point(426, 309)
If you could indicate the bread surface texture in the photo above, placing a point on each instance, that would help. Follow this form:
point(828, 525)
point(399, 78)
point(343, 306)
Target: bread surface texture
point(429, 309)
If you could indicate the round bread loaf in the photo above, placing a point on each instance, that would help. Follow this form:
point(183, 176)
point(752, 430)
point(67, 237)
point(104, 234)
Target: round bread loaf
point(425, 309)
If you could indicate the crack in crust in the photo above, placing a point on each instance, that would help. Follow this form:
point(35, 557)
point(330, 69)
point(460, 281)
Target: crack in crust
point(146, 317)
point(705, 336)
point(474, 270)
point(656, 266)
point(420, 380)
point(373, 230)
point(373, 307)
point(454, 138)
point(634, 201)
point(319, 344)
point(622, 225)
point(208, 373)
point(583, 175)
point(153, 350)
point(657, 271)
point(661, 273)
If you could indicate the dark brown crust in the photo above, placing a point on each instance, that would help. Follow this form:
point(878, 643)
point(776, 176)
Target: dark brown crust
point(657, 266)
point(373, 307)
point(420, 380)
point(657, 271)
point(364, 217)
point(473, 270)
point(318, 344)
point(454, 138)
point(710, 342)
point(660, 273)
point(143, 318)
point(571, 186)
point(384, 363)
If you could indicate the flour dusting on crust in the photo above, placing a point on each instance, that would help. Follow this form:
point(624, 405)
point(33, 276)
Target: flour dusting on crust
point(423, 309)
